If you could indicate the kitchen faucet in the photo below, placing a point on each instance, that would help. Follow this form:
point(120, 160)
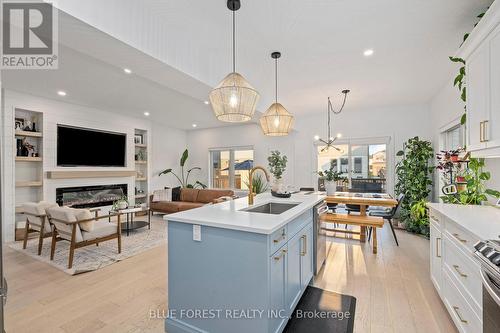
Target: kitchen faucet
point(251, 195)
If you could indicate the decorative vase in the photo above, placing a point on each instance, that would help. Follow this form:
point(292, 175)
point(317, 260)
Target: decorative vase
point(121, 205)
point(277, 185)
point(19, 150)
point(330, 187)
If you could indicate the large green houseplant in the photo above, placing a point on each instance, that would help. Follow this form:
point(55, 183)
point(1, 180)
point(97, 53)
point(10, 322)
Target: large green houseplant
point(184, 177)
point(414, 180)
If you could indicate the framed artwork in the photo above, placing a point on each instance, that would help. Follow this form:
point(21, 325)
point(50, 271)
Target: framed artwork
point(138, 139)
point(19, 124)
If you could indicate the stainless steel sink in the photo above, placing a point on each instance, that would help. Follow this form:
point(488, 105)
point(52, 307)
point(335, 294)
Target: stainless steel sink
point(271, 208)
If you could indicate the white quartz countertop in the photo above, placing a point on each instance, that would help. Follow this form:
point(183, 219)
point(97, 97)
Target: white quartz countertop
point(482, 221)
point(229, 214)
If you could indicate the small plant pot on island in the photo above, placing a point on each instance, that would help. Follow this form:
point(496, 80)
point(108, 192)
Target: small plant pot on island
point(330, 187)
point(277, 185)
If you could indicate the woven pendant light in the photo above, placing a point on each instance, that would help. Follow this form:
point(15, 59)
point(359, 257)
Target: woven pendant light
point(276, 121)
point(234, 99)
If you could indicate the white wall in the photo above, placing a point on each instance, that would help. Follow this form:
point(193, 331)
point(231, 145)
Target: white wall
point(446, 107)
point(398, 123)
point(165, 145)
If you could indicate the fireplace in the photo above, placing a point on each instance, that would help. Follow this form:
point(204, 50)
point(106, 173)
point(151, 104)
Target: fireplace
point(90, 196)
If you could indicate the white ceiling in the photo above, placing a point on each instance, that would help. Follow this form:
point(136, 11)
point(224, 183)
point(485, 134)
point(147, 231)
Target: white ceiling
point(322, 42)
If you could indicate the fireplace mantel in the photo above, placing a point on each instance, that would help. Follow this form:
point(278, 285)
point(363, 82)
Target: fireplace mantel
point(88, 174)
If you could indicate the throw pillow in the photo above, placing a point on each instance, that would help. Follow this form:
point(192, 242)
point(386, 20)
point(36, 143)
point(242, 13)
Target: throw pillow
point(162, 195)
point(85, 214)
point(176, 194)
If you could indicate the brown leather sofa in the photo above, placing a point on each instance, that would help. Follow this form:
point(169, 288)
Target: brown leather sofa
point(190, 198)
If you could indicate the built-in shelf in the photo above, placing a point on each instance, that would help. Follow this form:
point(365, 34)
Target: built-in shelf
point(28, 133)
point(29, 184)
point(28, 159)
point(88, 174)
point(19, 209)
point(139, 196)
point(141, 162)
point(141, 145)
point(141, 179)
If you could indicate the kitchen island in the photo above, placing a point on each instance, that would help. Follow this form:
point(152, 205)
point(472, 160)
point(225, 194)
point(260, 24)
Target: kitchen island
point(239, 268)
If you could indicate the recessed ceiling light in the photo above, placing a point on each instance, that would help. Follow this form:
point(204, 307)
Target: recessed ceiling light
point(339, 135)
point(128, 71)
point(368, 53)
point(61, 93)
point(194, 125)
point(206, 102)
point(316, 137)
point(146, 113)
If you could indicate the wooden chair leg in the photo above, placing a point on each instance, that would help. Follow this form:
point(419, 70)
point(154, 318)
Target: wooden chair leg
point(375, 245)
point(40, 238)
point(26, 229)
point(53, 245)
point(72, 247)
point(393, 232)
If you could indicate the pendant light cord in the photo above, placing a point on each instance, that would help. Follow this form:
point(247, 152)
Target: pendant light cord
point(234, 42)
point(276, 79)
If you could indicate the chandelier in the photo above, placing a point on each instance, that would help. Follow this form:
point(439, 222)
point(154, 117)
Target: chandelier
point(329, 139)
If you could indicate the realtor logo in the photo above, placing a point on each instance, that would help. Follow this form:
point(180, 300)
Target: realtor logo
point(29, 36)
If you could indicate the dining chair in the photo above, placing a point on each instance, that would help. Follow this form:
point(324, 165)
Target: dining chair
point(387, 214)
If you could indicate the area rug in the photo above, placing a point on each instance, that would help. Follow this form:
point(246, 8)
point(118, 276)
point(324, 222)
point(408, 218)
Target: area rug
point(91, 258)
point(321, 311)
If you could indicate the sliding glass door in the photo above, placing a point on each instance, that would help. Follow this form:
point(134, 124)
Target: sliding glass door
point(230, 167)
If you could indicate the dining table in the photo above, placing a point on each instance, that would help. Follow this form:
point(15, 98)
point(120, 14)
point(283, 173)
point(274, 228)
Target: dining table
point(361, 218)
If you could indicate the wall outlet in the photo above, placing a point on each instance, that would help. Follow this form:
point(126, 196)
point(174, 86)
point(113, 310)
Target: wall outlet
point(197, 232)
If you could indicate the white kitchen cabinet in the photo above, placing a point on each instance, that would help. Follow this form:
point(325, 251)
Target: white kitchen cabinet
point(493, 126)
point(481, 53)
point(477, 97)
point(436, 254)
point(454, 271)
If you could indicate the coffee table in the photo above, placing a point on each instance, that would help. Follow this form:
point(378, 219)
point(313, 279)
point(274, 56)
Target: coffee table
point(130, 223)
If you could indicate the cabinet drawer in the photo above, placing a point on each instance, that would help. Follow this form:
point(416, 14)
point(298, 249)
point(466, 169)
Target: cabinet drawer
point(465, 273)
point(277, 239)
point(461, 237)
point(435, 218)
point(461, 312)
point(299, 222)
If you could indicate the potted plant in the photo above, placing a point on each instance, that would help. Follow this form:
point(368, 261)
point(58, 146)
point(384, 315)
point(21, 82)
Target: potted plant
point(259, 184)
point(121, 203)
point(277, 166)
point(184, 177)
point(331, 177)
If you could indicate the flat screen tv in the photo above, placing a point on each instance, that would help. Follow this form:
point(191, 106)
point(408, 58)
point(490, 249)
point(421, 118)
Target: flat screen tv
point(87, 147)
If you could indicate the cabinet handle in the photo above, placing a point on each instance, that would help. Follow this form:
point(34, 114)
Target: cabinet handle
point(437, 247)
point(457, 268)
point(485, 131)
point(456, 308)
point(457, 236)
point(304, 252)
point(481, 128)
point(283, 235)
point(277, 258)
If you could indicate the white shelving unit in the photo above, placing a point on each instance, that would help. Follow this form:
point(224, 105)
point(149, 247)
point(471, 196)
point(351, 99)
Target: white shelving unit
point(141, 167)
point(28, 169)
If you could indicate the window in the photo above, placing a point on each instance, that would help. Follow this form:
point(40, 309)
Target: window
point(364, 164)
point(454, 137)
point(229, 167)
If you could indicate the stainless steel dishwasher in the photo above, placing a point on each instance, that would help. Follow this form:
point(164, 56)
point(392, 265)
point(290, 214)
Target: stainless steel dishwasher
point(319, 238)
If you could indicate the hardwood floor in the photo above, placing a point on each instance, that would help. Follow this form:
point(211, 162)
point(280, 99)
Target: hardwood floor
point(393, 290)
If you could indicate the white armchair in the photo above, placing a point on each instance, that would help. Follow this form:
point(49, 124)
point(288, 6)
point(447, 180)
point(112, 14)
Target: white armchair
point(36, 219)
point(81, 229)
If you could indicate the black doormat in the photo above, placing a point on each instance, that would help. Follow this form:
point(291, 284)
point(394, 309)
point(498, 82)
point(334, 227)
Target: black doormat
point(322, 311)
